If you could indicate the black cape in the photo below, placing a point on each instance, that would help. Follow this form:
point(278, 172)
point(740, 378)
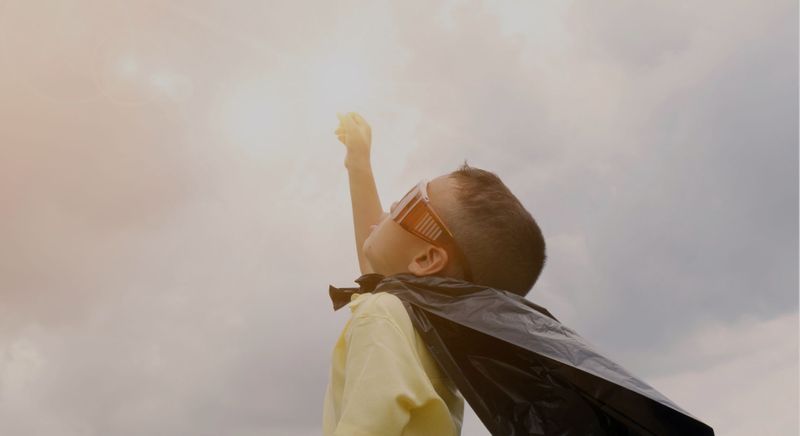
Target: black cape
point(519, 368)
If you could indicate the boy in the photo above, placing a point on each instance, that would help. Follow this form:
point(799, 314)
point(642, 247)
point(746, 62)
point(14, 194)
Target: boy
point(466, 226)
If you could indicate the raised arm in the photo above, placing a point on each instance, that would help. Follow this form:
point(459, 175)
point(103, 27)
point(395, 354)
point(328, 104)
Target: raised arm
point(356, 135)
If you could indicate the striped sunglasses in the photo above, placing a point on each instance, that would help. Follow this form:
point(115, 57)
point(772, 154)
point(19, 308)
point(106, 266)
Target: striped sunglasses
point(415, 214)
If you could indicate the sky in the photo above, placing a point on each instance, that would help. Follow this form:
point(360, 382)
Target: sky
point(175, 202)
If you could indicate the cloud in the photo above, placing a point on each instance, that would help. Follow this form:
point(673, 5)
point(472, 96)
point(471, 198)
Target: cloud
point(175, 204)
point(729, 371)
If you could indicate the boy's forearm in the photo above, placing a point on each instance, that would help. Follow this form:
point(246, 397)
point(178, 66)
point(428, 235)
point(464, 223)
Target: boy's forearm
point(366, 204)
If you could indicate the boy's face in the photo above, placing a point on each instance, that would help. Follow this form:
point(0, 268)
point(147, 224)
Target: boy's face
point(390, 249)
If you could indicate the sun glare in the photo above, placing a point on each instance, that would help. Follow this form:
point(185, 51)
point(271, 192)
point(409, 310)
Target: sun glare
point(296, 102)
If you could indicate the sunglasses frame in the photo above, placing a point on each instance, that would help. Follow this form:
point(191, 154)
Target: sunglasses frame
point(415, 214)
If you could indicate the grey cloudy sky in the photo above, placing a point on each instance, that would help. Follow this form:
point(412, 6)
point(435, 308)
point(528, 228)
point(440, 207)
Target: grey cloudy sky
point(174, 200)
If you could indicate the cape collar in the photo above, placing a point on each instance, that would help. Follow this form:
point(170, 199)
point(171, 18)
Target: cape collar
point(373, 282)
point(366, 283)
point(447, 286)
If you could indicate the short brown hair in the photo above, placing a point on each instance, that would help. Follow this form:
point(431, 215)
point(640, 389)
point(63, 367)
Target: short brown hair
point(502, 242)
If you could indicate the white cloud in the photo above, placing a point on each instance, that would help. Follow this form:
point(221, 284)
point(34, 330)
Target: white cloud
point(741, 379)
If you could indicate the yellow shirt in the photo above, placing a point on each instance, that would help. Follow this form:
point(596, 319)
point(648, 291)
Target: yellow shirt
point(383, 381)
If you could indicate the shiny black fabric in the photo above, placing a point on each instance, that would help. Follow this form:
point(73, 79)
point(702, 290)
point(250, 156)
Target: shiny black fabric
point(520, 369)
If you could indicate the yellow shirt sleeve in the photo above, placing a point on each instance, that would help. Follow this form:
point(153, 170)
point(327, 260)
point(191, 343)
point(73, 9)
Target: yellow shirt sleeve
point(383, 380)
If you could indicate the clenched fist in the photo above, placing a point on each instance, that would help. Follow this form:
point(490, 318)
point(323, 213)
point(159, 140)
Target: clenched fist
point(356, 135)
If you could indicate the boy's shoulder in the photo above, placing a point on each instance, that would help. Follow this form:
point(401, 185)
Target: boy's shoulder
point(377, 304)
point(371, 307)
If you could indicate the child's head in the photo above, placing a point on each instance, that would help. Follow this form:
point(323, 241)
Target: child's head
point(502, 242)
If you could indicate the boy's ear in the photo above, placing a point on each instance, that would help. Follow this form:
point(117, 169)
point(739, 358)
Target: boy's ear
point(428, 261)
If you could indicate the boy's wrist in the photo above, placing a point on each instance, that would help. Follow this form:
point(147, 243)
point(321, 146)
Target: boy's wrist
point(357, 162)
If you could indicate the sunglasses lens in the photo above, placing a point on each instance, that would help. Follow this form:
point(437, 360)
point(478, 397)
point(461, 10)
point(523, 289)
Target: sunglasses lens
point(427, 227)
